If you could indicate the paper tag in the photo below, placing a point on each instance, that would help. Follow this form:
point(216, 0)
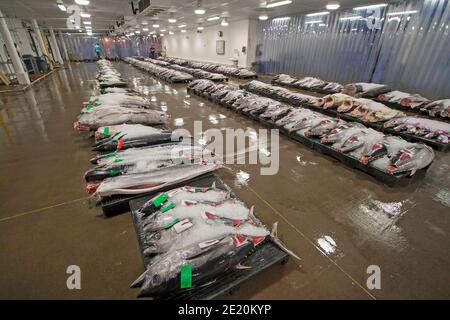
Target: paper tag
point(159, 200)
point(106, 131)
point(208, 243)
point(188, 203)
point(186, 276)
point(114, 173)
point(89, 107)
point(183, 225)
point(119, 144)
point(239, 240)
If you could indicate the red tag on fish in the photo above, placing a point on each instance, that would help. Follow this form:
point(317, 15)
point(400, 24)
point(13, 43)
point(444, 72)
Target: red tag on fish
point(208, 215)
point(239, 240)
point(257, 240)
point(189, 202)
point(119, 144)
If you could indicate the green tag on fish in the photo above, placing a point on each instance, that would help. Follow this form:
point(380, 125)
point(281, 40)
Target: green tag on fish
point(160, 200)
point(106, 131)
point(112, 154)
point(186, 276)
point(170, 225)
point(95, 100)
point(168, 207)
point(89, 107)
point(334, 119)
point(115, 173)
point(117, 160)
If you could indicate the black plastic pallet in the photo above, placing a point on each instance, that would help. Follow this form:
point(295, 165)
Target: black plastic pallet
point(117, 204)
point(315, 144)
point(264, 256)
point(443, 147)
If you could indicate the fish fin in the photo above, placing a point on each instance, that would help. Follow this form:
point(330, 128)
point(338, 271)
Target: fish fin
point(274, 236)
point(213, 186)
point(251, 215)
point(240, 266)
point(413, 171)
point(139, 281)
point(228, 196)
point(208, 283)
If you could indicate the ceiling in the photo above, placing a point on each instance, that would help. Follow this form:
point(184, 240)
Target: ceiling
point(104, 13)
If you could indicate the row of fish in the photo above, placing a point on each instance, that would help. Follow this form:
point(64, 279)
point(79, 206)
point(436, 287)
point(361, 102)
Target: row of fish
point(108, 75)
point(212, 67)
point(198, 73)
point(392, 155)
point(204, 230)
point(160, 71)
point(309, 83)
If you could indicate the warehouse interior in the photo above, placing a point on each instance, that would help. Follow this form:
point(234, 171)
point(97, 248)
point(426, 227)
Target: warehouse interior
point(116, 177)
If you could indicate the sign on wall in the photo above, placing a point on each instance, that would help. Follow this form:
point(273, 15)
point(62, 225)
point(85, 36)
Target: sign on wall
point(220, 47)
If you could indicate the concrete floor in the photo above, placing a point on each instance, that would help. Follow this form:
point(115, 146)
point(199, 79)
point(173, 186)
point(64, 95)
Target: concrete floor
point(46, 225)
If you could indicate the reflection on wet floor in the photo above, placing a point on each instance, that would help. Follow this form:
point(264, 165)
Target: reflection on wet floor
point(337, 219)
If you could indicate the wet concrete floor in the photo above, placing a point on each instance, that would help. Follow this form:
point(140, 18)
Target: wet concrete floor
point(338, 220)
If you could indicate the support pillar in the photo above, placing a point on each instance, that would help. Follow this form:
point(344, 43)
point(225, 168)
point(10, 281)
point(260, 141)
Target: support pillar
point(66, 54)
point(22, 75)
point(41, 43)
point(55, 47)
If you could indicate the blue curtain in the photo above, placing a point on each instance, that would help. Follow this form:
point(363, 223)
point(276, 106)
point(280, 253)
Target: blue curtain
point(405, 45)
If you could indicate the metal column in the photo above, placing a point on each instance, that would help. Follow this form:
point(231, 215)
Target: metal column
point(41, 43)
point(56, 52)
point(22, 75)
point(66, 54)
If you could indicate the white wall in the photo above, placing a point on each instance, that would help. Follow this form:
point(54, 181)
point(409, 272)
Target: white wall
point(202, 46)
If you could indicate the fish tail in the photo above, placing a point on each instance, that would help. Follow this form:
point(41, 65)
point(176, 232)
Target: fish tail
point(274, 237)
point(139, 281)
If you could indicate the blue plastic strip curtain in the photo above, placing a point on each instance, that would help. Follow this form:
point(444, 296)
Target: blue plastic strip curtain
point(405, 45)
point(112, 48)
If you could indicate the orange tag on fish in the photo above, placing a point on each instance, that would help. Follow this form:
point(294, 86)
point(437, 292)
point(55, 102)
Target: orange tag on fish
point(119, 144)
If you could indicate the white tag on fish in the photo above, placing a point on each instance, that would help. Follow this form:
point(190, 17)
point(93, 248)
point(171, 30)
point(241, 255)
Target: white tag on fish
point(183, 225)
point(170, 194)
point(208, 243)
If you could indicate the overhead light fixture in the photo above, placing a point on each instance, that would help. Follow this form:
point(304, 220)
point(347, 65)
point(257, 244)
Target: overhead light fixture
point(199, 9)
point(333, 5)
point(131, 33)
point(144, 29)
point(279, 3)
point(82, 2)
point(161, 34)
point(183, 30)
point(350, 18)
point(87, 22)
point(137, 32)
point(398, 13)
point(200, 28)
point(315, 14)
point(156, 25)
point(263, 17)
point(213, 18)
point(172, 18)
point(171, 32)
point(61, 5)
point(163, 30)
point(87, 27)
point(373, 6)
point(281, 19)
point(313, 21)
point(322, 25)
point(181, 26)
point(144, 23)
point(224, 22)
point(154, 36)
point(85, 15)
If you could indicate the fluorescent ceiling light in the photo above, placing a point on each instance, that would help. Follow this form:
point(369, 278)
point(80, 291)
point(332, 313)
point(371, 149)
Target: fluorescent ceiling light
point(181, 26)
point(224, 23)
point(313, 21)
point(172, 20)
point(144, 23)
point(161, 34)
point(322, 25)
point(373, 6)
point(156, 25)
point(263, 17)
point(85, 15)
point(277, 4)
point(87, 22)
point(154, 36)
point(61, 6)
point(281, 19)
point(144, 29)
point(163, 30)
point(82, 2)
point(213, 18)
point(171, 32)
point(333, 5)
point(183, 30)
point(137, 32)
point(401, 13)
point(199, 11)
point(88, 27)
point(350, 18)
point(200, 28)
point(132, 34)
point(315, 14)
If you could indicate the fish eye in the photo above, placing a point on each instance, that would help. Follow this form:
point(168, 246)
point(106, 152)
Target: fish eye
point(156, 279)
point(157, 235)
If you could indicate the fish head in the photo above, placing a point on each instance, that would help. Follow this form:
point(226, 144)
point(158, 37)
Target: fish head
point(376, 151)
point(393, 122)
point(411, 159)
point(353, 142)
point(156, 276)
